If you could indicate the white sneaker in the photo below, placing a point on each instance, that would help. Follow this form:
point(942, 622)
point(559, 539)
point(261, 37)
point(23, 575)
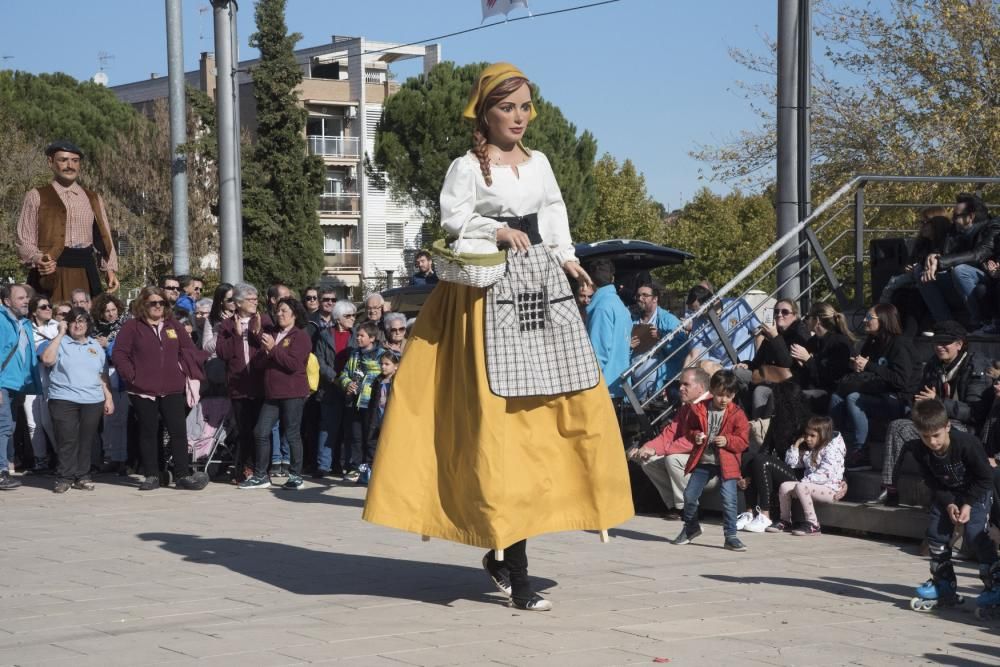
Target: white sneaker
point(743, 520)
point(759, 524)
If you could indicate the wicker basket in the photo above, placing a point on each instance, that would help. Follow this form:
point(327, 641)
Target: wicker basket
point(467, 268)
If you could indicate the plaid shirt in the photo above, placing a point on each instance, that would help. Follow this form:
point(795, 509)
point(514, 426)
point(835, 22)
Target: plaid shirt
point(79, 224)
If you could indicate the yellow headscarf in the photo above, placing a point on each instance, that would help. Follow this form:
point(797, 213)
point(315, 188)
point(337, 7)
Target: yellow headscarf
point(492, 77)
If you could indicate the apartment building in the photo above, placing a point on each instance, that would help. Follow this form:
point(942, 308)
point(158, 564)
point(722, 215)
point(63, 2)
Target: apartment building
point(369, 236)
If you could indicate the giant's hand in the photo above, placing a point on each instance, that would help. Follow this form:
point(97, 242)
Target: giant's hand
point(576, 272)
point(113, 284)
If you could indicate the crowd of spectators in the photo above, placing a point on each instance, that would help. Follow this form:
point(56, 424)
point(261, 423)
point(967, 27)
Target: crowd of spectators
point(140, 389)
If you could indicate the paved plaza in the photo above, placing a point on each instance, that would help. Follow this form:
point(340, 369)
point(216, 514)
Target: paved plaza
point(274, 577)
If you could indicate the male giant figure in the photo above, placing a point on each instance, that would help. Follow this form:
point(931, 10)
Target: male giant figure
point(62, 227)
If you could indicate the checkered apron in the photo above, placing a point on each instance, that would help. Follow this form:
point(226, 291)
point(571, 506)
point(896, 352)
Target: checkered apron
point(536, 343)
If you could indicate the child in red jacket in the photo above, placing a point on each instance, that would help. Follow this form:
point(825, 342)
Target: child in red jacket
point(720, 436)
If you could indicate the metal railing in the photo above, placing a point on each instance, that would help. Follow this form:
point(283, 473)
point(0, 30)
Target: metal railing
point(333, 146)
point(830, 248)
point(344, 202)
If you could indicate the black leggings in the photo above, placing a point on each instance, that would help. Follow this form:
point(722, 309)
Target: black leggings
point(766, 473)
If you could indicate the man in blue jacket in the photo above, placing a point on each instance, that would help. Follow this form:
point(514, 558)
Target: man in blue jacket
point(18, 369)
point(653, 324)
point(609, 325)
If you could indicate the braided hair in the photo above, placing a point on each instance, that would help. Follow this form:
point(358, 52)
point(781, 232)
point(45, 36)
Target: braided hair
point(480, 132)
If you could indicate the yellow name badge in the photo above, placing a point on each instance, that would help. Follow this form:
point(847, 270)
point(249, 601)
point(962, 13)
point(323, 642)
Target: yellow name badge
point(285, 343)
point(171, 333)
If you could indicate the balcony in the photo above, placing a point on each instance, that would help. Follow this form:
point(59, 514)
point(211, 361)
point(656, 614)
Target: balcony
point(343, 259)
point(333, 146)
point(346, 203)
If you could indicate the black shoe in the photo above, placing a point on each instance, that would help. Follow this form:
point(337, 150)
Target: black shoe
point(498, 573)
point(62, 486)
point(536, 603)
point(195, 482)
point(7, 482)
point(320, 473)
point(888, 498)
point(150, 483)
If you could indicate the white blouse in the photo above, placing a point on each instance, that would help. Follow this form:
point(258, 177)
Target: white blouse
point(467, 200)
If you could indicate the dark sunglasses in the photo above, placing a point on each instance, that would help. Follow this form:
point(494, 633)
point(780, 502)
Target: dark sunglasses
point(43, 306)
point(329, 299)
point(996, 381)
point(310, 298)
point(154, 304)
point(230, 300)
point(62, 313)
point(172, 288)
point(782, 311)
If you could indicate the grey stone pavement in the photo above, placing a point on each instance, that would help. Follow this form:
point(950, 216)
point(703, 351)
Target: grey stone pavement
point(274, 577)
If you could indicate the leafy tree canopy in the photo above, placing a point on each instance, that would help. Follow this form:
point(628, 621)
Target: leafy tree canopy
point(624, 209)
point(422, 131)
point(282, 239)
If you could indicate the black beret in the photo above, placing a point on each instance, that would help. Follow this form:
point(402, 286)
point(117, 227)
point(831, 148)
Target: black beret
point(62, 145)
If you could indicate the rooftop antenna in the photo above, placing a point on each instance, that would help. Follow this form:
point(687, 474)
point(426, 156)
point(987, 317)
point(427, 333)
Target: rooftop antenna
point(101, 78)
point(204, 9)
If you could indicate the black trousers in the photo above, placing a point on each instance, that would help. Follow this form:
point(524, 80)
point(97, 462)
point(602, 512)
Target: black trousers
point(245, 413)
point(515, 559)
point(75, 426)
point(172, 408)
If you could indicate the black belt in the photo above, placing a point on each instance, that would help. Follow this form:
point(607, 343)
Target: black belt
point(524, 223)
point(82, 258)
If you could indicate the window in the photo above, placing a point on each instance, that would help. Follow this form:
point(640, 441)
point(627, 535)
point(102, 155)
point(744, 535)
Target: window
point(338, 238)
point(324, 126)
point(394, 235)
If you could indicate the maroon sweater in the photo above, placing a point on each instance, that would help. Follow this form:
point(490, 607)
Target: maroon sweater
point(245, 381)
point(285, 365)
point(151, 362)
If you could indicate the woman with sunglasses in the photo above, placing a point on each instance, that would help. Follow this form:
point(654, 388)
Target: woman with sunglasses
point(776, 341)
point(395, 333)
point(826, 357)
point(884, 375)
point(310, 300)
point(155, 356)
point(78, 397)
point(223, 308)
point(110, 315)
point(36, 410)
point(333, 347)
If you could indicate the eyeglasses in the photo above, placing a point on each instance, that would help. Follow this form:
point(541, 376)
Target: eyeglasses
point(328, 299)
point(79, 320)
point(351, 315)
point(644, 295)
point(43, 306)
point(783, 311)
point(398, 330)
point(155, 304)
point(172, 288)
point(870, 317)
point(312, 297)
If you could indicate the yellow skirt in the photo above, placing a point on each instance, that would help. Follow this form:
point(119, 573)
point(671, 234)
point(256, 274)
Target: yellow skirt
point(457, 462)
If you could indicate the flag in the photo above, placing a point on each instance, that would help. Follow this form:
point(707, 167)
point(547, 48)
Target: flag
point(494, 7)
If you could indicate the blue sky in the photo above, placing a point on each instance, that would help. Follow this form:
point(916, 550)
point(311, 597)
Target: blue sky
point(651, 79)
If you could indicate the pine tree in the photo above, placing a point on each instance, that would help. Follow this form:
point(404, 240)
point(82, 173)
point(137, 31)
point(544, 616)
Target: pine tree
point(282, 239)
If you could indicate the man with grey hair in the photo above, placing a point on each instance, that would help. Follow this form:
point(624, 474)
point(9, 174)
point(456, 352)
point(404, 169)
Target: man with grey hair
point(375, 308)
point(664, 457)
point(18, 368)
